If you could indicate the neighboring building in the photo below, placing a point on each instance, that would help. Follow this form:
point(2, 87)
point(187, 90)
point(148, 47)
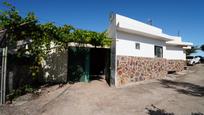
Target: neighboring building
point(140, 51)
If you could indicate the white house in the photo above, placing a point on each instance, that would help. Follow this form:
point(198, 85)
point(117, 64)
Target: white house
point(141, 51)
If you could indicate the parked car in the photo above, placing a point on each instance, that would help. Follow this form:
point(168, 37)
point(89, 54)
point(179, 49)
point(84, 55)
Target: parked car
point(201, 59)
point(191, 60)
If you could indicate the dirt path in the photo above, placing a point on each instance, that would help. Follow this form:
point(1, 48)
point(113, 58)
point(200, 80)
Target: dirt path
point(183, 94)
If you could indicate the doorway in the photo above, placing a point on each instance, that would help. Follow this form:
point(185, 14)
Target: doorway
point(100, 64)
point(87, 64)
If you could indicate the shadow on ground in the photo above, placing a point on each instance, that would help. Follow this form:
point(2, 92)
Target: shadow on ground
point(199, 113)
point(153, 110)
point(184, 87)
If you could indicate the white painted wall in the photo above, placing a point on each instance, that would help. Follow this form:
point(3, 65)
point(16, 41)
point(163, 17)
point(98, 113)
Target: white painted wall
point(175, 53)
point(125, 45)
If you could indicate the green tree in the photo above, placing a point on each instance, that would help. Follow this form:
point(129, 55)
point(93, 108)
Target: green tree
point(192, 50)
point(40, 36)
point(202, 47)
point(18, 28)
point(90, 37)
point(26, 29)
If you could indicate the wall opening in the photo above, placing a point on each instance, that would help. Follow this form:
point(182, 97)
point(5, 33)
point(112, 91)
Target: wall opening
point(87, 64)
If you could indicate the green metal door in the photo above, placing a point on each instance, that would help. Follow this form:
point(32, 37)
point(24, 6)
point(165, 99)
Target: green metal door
point(78, 64)
point(85, 76)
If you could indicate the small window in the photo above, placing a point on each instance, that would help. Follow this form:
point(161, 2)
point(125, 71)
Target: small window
point(158, 51)
point(137, 46)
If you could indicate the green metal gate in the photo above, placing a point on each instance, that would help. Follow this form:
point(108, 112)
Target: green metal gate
point(84, 63)
point(78, 64)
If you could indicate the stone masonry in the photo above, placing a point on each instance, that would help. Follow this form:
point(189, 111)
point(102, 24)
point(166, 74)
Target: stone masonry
point(175, 65)
point(133, 69)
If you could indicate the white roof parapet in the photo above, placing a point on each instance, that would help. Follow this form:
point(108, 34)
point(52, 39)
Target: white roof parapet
point(177, 41)
point(180, 43)
point(155, 36)
point(129, 25)
point(187, 47)
point(136, 27)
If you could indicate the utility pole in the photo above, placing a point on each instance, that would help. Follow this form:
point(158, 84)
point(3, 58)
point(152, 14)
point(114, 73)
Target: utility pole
point(3, 71)
point(3, 75)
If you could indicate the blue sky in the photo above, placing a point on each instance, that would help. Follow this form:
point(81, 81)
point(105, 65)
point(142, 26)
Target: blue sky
point(186, 16)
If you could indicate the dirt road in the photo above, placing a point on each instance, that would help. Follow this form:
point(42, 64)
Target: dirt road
point(176, 94)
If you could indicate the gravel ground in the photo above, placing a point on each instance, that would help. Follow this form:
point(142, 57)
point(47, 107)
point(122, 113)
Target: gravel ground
point(180, 94)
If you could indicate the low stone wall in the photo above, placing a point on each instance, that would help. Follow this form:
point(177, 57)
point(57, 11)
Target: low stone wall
point(175, 65)
point(133, 69)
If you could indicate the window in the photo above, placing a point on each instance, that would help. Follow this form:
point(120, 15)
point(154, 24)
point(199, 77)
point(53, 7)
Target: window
point(137, 46)
point(158, 51)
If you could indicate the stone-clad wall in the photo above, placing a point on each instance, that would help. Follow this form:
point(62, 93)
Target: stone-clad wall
point(175, 65)
point(133, 69)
